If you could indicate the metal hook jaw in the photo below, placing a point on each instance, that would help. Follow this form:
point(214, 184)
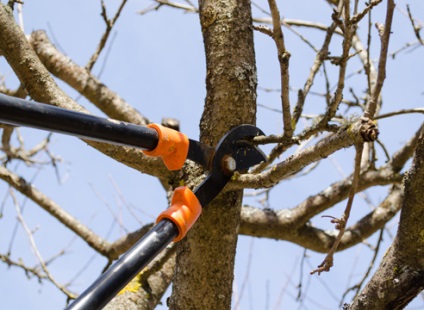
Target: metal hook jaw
point(234, 152)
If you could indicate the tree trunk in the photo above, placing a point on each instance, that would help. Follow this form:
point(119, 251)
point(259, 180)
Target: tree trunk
point(400, 276)
point(205, 259)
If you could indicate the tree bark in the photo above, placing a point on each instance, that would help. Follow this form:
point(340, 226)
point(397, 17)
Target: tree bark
point(400, 276)
point(205, 259)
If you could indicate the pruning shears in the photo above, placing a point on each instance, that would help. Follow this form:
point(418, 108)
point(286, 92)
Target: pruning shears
point(234, 152)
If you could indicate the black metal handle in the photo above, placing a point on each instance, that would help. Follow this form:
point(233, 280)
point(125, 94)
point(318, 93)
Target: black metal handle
point(110, 283)
point(20, 112)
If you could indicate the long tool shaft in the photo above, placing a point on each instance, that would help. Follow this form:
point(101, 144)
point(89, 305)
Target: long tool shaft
point(21, 112)
point(110, 283)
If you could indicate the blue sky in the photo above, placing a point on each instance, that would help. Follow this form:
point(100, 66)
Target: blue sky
point(156, 62)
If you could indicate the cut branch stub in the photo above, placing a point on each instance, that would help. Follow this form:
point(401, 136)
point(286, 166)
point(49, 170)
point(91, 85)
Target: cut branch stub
point(368, 130)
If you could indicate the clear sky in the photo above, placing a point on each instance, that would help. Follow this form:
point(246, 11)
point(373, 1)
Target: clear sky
point(156, 62)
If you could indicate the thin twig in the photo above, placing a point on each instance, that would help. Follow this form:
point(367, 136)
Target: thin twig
point(319, 60)
point(302, 265)
point(283, 289)
point(105, 59)
point(296, 22)
point(190, 8)
point(29, 271)
point(417, 28)
point(367, 62)
point(36, 252)
point(90, 260)
point(408, 45)
point(283, 58)
point(246, 276)
point(385, 37)
point(358, 286)
point(261, 9)
point(122, 199)
point(109, 25)
point(327, 286)
point(150, 8)
point(341, 222)
point(297, 33)
point(384, 150)
point(400, 112)
point(108, 206)
point(5, 140)
point(20, 153)
point(26, 188)
point(264, 29)
point(357, 17)
point(348, 33)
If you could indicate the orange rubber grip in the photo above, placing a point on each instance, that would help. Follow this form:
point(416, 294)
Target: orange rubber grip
point(185, 209)
point(172, 147)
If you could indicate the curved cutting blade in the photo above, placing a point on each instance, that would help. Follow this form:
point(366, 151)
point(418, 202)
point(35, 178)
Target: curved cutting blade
point(235, 144)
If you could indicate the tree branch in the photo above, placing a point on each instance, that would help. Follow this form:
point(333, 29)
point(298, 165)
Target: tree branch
point(348, 33)
point(341, 222)
point(357, 17)
point(186, 8)
point(400, 112)
point(319, 60)
point(283, 225)
point(385, 36)
point(347, 136)
point(109, 25)
point(417, 28)
point(21, 185)
point(283, 58)
point(29, 271)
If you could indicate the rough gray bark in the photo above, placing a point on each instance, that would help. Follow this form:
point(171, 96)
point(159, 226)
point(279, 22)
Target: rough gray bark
point(400, 276)
point(205, 259)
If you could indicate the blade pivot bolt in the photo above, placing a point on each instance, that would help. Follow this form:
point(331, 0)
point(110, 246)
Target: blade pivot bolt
point(229, 164)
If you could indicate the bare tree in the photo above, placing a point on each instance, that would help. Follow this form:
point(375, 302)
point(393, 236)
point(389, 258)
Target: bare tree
point(201, 266)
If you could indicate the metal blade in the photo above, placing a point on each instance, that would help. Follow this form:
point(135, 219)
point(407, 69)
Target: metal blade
point(234, 144)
